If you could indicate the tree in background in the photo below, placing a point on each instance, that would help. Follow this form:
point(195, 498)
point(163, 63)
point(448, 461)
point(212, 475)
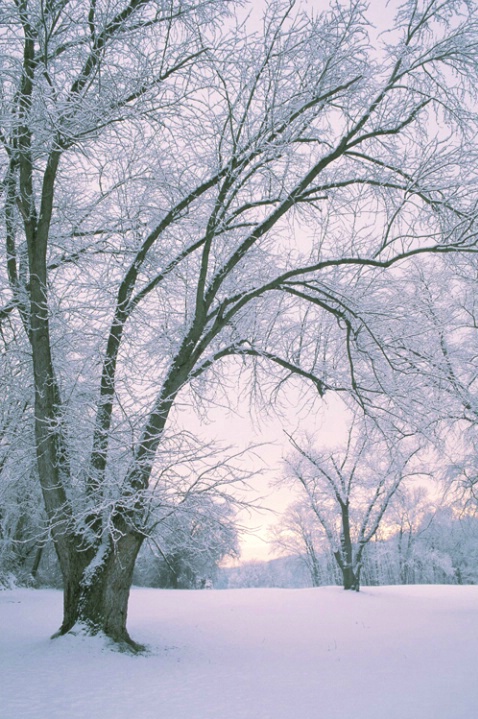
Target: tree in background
point(298, 533)
point(349, 489)
point(182, 193)
point(448, 364)
point(188, 544)
point(21, 515)
point(411, 514)
point(422, 540)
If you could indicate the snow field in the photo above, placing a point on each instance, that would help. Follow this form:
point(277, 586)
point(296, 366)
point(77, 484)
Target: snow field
point(385, 653)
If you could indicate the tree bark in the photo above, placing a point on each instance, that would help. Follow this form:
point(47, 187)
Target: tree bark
point(344, 556)
point(96, 595)
point(37, 560)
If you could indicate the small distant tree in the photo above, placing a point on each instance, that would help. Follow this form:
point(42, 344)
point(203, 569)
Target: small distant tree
point(349, 490)
point(410, 517)
point(446, 551)
point(298, 533)
point(188, 544)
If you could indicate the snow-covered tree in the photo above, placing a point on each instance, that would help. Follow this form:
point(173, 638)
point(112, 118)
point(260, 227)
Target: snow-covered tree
point(349, 489)
point(298, 533)
point(21, 515)
point(411, 514)
point(189, 542)
point(181, 192)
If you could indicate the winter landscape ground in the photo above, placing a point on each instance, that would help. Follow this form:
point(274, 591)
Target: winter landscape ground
point(385, 653)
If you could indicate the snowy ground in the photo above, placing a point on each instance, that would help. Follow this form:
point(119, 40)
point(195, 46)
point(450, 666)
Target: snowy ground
point(386, 653)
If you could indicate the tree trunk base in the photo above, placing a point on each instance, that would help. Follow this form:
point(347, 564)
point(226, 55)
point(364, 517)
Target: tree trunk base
point(121, 643)
point(96, 594)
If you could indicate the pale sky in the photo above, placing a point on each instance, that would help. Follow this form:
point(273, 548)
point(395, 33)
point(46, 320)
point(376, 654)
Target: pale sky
point(239, 428)
point(236, 427)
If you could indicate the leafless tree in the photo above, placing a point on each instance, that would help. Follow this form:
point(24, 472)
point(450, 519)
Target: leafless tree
point(350, 489)
point(178, 190)
point(298, 534)
point(412, 513)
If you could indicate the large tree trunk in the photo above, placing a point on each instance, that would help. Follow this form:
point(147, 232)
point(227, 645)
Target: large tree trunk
point(96, 595)
point(96, 587)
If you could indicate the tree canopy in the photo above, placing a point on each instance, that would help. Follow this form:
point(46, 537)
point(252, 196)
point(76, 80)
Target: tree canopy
point(185, 190)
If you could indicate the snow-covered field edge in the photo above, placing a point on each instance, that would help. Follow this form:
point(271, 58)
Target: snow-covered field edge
point(387, 652)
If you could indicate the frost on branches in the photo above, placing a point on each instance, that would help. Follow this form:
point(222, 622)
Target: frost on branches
point(185, 190)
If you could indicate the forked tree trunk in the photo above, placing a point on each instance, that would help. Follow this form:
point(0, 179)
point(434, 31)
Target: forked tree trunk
point(95, 595)
point(351, 580)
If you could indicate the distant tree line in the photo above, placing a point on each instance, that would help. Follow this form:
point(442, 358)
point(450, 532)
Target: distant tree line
point(183, 552)
point(419, 544)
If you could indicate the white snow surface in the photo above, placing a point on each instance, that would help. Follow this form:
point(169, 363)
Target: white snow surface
point(385, 653)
